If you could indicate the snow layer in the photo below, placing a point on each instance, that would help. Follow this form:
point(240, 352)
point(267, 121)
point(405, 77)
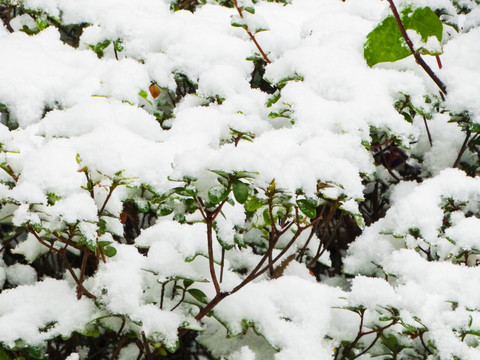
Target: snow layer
point(89, 140)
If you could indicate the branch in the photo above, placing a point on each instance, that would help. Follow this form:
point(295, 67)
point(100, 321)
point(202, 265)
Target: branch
point(264, 55)
point(211, 262)
point(418, 57)
point(462, 149)
point(5, 16)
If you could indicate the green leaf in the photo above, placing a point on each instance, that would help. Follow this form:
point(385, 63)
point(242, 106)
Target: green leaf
point(143, 94)
point(118, 45)
point(424, 21)
point(187, 283)
point(273, 99)
point(41, 24)
point(165, 208)
point(217, 194)
point(52, 198)
point(109, 251)
point(253, 204)
point(103, 243)
point(35, 353)
point(474, 127)
point(473, 332)
point(3, 355)
point(295, 77)
point(190, 190)
point(266, 217)
point(240, 191)
point(385, 43)
point(199, 295)
point(391, 342)
point(307, 208)
point(221, 173)
point(249, 9)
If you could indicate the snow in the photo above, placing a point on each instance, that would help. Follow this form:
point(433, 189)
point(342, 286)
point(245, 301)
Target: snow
point(86, 161)
point(34, 313)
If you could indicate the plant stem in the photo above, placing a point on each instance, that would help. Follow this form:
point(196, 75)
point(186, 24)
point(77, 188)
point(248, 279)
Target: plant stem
point(462, 149)
point(211, 262)
point(428, 131)
point(418, 57)
point(264, 55)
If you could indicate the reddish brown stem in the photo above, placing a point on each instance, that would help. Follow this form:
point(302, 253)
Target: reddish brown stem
point(210, 250)
point(462, 149)
point(252, 36)
point(439, 62)
point(44, 243)
point(5, 16)
point(80, 288)
point(418, 57)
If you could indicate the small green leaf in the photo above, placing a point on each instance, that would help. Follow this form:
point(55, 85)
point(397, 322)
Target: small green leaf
point(199, 295)
point(307, 208)
point(273, 99)
point(221, 173)
point(35, 353)
point(217, 194)
point(253, 204)
point(249, 9)
point(165, 208)
point(295, 77)
point(187, 283)
point(266, 217)
point(240, 191)
point(109, 251)
point(190, 190)
point(103, 243)
point(474, 127)
point(41, 24)
point(143, 94)
point(118, 45)
point(473, 332)
point(52, 198)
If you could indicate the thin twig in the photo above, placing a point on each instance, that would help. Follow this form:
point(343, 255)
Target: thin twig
point(80, 288)
point(210, 250)
point(462, 149)
point(428, 131)
point(44, 243)
point(222, 265)
point(264, 55)
point(181, 299)
point(110, 192)
point(146, 346)
point(418, 57)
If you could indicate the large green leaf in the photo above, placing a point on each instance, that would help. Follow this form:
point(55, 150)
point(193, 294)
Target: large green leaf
point(385, 43)
point(423, 21)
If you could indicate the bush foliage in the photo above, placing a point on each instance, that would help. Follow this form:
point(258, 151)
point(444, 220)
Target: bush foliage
point(209, 179)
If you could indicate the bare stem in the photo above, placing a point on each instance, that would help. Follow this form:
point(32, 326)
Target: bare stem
point(210, 250)
point(462, 149)
point(428, 131)
point(252, 36)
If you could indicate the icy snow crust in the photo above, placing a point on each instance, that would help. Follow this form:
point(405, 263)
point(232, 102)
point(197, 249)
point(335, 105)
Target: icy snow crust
point(77, 113)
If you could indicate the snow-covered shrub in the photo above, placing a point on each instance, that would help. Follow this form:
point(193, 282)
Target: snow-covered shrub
point(239, 179)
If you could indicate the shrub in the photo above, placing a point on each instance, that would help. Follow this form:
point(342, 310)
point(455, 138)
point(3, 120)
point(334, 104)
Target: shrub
point(239, 180)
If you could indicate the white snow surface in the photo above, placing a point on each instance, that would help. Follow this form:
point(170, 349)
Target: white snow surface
point(83, 121)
